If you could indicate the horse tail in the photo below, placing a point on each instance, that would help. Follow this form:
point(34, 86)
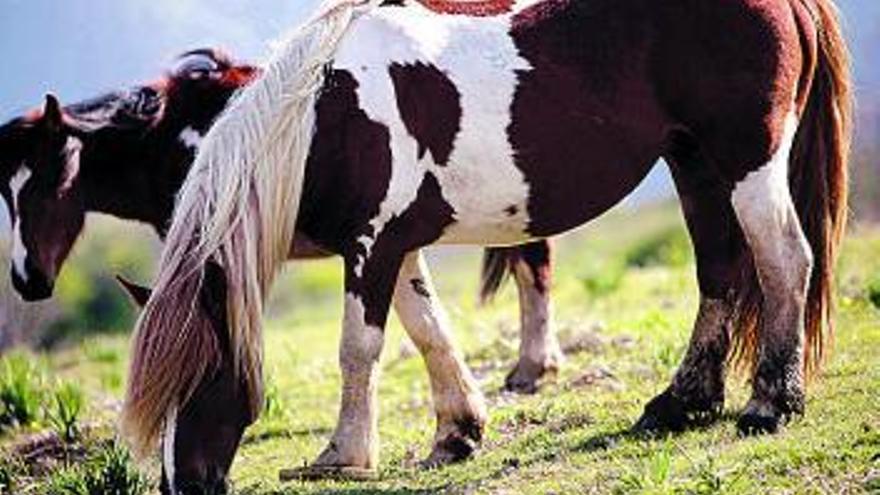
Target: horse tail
point(238, 209)
point(818, 179)
point(497, 266)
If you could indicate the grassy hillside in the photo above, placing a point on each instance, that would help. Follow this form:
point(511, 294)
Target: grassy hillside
point(625, 297)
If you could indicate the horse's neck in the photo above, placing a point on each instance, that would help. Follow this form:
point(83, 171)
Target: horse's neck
point(138, 185)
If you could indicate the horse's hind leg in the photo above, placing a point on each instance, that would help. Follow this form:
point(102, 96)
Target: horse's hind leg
point(539, 352)
point(458, 402)
point(696, 393)
point(783, 261)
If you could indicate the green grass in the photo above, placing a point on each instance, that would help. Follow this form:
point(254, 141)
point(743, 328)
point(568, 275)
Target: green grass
point(626, 285)
point(21, 390)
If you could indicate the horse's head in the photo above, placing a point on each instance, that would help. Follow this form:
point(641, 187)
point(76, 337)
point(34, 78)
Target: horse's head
point(40, 158)
point(200, 438)
point(39, 166)
point(199, 86)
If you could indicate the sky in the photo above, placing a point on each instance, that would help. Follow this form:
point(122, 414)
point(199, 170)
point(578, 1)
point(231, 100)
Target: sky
point(81, 48)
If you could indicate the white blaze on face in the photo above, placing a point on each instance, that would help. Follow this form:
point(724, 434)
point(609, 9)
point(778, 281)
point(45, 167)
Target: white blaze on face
point(19, 252)
point(191, 138)
point(480, 180)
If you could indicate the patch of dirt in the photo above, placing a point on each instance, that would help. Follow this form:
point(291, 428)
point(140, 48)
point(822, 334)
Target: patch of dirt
point(41, 453)
point(597, 376)
point(591, 342)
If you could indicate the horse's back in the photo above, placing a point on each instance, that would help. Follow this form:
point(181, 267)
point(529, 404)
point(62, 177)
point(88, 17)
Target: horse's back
point(535, 121)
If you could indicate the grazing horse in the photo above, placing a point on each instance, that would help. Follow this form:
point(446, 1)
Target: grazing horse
point(381, 127)
point(127, 153)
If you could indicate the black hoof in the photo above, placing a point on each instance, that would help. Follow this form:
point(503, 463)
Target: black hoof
point(456, 447)
point(753, 423)
point(669, 413)
point(526, 377)
point(663, 413)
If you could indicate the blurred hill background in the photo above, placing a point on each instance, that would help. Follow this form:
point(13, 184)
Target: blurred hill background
point(80, 48)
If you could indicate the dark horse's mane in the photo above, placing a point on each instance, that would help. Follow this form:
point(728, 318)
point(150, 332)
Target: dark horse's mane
point(134, 107)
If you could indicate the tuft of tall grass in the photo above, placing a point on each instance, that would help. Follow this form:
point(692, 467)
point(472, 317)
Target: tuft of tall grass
point(8, 474)
point(110, 472)
point(274, 406)
point(21, 390)
point(65, 411)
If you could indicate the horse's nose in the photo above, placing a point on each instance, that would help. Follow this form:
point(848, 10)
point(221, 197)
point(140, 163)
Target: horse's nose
point(212, 486)
point(36, 286)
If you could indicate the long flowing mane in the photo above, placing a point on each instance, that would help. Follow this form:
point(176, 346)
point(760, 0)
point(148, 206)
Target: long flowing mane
point(237, 208)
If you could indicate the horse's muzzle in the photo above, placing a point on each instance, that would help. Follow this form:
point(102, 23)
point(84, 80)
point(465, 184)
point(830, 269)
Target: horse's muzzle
point(37, 287)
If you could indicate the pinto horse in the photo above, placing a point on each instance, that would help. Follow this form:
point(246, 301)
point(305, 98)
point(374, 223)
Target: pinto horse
point(381, 127)
point(127, 153)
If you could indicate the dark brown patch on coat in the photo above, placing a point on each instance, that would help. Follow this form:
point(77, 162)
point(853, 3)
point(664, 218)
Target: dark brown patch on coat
point(430, 107)
point(348, 169)
point(585, 127)
point(420, 225)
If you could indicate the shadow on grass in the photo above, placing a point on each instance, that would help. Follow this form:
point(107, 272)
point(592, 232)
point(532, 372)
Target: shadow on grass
point(601, 441)
point(282, 432)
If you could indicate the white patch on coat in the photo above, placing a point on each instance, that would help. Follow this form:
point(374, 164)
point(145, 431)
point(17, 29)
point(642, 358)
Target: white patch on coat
point(168, 447)
point(191, 138)
point(766, 212)
point(769, 184)
point(480, 180)
point(19, 252)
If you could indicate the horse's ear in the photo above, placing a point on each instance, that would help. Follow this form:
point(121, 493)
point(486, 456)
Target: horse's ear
point(240, 75)
point(52, 117)
point(139, 294)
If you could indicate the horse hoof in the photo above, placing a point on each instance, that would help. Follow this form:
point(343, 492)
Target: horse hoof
point(457, 446)
point(449, 451)
point(526, 376)
point(663, 413)
point(756, 423)
point(336, 473)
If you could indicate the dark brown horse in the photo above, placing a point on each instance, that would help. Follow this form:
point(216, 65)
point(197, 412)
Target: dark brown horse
point(382, 127)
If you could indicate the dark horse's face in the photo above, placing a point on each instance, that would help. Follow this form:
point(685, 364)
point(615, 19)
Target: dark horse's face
point(60, 163)
point(39, 164)
point(201, 438)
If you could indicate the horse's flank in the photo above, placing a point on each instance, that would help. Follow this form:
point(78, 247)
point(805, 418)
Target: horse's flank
point(238, 208)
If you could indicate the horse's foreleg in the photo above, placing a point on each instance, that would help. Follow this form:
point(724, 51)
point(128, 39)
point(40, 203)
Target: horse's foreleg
point(369, 287)
point(458, 402)
point(539, 352)
point(783, 261)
